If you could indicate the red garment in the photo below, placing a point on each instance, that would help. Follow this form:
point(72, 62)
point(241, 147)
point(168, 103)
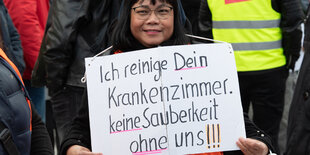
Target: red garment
point(29, 18)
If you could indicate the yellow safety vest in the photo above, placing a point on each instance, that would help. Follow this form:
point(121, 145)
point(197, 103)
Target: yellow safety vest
point(252, 27)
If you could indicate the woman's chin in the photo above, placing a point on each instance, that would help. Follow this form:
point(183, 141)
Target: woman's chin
point(152, 44)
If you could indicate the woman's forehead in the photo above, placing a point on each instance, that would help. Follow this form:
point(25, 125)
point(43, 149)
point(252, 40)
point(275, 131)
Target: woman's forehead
point(151, 2)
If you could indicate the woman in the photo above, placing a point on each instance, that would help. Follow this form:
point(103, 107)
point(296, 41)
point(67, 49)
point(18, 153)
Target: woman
point(145, 24)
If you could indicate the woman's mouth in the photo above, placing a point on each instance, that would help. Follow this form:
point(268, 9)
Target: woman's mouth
point(152, 31)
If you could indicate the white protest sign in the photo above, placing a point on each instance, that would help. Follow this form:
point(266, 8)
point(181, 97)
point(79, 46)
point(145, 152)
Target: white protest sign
point(166, 100)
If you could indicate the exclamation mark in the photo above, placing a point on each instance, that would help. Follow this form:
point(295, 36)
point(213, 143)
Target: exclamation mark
point(208, 135)
point(101, 75)
point(213, 134)
point(218, 135)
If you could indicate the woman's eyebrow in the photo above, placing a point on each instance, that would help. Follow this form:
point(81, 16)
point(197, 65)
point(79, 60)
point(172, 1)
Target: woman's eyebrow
point(147, 6)
point(144, 6)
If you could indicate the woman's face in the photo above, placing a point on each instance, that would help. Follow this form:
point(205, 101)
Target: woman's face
point(151, 24)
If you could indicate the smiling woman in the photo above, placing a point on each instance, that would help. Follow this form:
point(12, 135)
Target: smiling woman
point(149, 28)
point(148, 23)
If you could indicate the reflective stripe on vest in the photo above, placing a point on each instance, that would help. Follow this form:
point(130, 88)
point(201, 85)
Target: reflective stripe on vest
point(252, 27)
point(257, 46)
point(246, 24)
point(4, 56)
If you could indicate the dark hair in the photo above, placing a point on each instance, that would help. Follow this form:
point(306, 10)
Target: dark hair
point(122, 38)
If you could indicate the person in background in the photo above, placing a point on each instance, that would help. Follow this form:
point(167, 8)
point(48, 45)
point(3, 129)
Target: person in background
point(289, 90)
point(21, 128)
point(146, 24)
point(78, 29)
point(40, 82)
point(266, 36)
point(298, 131)
point(29, 18)
point(11, 41)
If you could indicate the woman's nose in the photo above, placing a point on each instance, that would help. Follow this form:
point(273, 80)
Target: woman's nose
point(153, 17)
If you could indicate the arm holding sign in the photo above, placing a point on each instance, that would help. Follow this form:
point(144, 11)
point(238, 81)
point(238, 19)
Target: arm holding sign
point(252, 147)
point(257, 142)
point(79, 133)
point(77, 149)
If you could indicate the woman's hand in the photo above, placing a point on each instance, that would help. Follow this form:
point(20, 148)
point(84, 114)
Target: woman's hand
point(80, 150)
point(252, 147)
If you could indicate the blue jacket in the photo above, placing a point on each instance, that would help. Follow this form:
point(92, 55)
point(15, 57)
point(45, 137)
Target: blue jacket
point(27, 131)
point(15, 112)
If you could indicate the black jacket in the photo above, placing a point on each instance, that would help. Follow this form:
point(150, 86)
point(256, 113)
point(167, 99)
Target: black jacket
point(298, 132)
point(79, 134)
point(291, 18)
point(79, 32)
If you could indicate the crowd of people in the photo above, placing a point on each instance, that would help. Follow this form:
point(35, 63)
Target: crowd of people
point(44, 42)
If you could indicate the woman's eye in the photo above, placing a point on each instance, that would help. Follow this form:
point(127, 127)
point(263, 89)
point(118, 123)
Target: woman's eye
point(163, 11)
point(143, 12)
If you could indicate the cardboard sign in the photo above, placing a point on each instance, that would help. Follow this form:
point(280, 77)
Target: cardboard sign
point(166, 100)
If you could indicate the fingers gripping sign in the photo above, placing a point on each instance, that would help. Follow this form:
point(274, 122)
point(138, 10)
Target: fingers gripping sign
point(80, 150)
point(252, 147)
